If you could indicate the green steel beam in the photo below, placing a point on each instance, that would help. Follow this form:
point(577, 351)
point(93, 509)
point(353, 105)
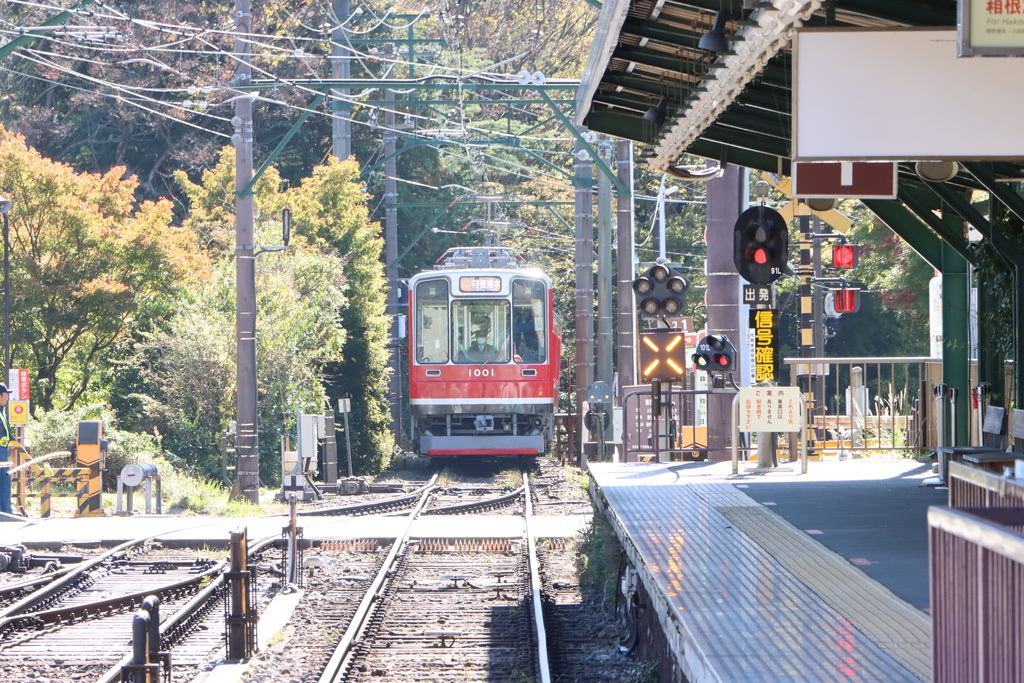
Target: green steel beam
point(940, 254)
point(657, 59)
point(1011, 253)
point(598, 162)
point(740, 156)
point(55, 20)
point(661, 32)
point(746, 140)
point(668, 88)
point(621, 125)
point(918, 202)
point(897, 216)
point(1010, 199)
point(247, 190)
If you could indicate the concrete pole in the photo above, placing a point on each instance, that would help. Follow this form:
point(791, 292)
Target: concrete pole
point(584, 318)
point(604, 266)
point(626, 307)
point(727, 196)
point(246, 412)
point(391, 251)
point(341, 112)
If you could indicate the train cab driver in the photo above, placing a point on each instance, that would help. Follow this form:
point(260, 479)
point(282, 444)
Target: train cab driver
point(480, 350)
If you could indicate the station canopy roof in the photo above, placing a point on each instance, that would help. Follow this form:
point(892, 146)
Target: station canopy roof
point(733, 106)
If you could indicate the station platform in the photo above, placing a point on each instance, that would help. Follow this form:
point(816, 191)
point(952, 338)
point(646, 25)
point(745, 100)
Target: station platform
point(744, 595)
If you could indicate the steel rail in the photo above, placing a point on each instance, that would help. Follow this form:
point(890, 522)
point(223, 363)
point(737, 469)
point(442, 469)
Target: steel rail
point(195, 606)
point(543, 666)
point(67, 581)
point(11, 590)
point(478, 505)
point(334, 665)
point(370, 508)
point(103, 607)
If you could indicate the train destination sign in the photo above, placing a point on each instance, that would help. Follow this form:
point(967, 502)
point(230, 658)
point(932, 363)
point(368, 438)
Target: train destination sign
point(480, 283)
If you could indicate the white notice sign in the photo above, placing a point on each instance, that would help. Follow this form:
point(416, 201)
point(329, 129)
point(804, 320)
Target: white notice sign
point(770, 409)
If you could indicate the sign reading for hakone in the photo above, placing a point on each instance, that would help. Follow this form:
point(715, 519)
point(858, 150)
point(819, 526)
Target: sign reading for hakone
point(765, 324)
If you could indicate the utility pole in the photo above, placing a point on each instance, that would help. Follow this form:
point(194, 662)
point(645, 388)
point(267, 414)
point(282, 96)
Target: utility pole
point(247, 461)
point(341, 109)
point(584, 181)
point(391, 249)
point(625, 307)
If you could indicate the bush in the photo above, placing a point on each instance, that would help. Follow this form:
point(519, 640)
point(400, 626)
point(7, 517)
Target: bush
point(50, 432)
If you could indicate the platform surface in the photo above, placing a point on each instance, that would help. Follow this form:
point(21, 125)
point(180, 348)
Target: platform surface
point(748, 596)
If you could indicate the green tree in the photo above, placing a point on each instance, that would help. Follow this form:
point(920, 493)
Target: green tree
point(330, 211)
point(321, 329)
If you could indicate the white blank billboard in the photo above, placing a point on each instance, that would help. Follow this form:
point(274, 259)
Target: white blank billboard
point(902, 95)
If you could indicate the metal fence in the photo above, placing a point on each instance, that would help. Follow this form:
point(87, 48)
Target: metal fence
point(977, 580)
point(868, 404)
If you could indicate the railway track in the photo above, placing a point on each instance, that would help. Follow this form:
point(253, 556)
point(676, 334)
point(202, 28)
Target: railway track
point(434, 609)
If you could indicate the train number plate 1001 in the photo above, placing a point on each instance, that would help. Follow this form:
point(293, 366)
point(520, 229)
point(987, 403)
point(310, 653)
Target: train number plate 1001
point(470, 284)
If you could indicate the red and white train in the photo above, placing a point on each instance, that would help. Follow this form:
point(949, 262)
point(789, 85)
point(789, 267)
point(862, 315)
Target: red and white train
point(484, 356)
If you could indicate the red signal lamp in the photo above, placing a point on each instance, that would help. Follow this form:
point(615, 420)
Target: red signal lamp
point(846, 300)
point(845, 256)
point(758, 255)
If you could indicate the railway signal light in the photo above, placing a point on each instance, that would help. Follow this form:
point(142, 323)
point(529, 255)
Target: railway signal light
point(662, 355)
point(846, 300)
point(661, 292)
point(760, 245)
point(715, 353)
point(845, 256)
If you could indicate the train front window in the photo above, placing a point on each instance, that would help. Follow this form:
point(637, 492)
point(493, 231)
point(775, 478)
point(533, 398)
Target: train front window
point(529, 320)
point(481, 330)
point(432, 321)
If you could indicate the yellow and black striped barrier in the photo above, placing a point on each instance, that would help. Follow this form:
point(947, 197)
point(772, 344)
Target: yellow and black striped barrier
point(44, 477)
point(27, 475)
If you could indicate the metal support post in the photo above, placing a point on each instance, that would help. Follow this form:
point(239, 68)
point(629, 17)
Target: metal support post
point(292, 533)
point(151, 605)
point(954, 395)
point(241, 618)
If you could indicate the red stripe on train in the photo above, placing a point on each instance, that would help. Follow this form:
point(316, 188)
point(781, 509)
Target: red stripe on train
point(485, 451)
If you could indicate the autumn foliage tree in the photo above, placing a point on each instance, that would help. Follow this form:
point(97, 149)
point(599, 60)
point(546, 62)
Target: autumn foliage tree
point(88, 263)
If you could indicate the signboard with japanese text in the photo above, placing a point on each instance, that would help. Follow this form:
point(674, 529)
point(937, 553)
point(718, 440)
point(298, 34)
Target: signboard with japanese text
point(988, 28)
point(758, 295)
point(18, 412)
point(771, 409)
point(765, 325)
point(18, 384)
